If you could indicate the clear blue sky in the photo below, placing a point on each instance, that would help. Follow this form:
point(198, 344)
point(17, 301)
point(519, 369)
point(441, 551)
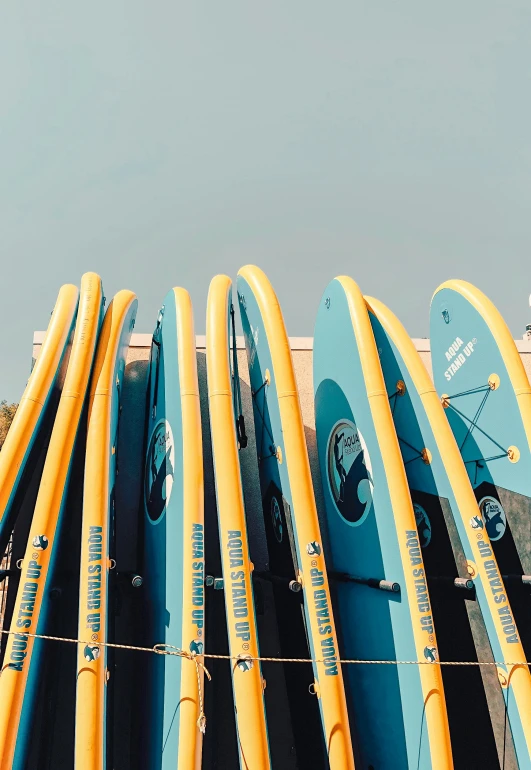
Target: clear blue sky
point(159, 143)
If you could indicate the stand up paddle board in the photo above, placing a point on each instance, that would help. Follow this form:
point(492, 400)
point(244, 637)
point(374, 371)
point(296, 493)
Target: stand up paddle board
point(247, 682)
point(440, 486)
point(174, 539)
point(485, 391)
point(23, 656)
point(380, 580)
point(293, 537)
point(97, 527)
point(34, 405)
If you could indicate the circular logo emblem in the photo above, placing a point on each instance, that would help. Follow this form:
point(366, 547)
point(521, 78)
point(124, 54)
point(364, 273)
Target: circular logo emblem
point(349, 472)
point(423, 525)
point(494, 517)
point(431, 654)
point(91, 653)
point(276, 518)
point(244, 663)
point(476, 522)
point(196, 646)
point(40, 542)
point(160, 464)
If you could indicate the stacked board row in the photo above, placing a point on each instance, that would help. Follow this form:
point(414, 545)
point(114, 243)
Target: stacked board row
point(418, 558)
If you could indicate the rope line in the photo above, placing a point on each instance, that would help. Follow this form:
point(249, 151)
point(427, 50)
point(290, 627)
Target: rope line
point(167, 649)
point(472, 391)
point(450, 406)
point(393, 401)
point(474, 422)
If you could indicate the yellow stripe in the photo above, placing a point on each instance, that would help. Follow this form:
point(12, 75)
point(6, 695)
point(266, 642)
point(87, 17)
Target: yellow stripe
point(36, 392)
point(404, 517)
point(91, 676)
point(247, 685)
point(332, 693)
point(190, 737)
point(48, 505)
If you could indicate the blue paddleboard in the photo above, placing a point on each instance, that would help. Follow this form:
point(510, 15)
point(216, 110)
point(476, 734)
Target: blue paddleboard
point(483, 386)
point(296, 560)
point(173, 541)
point(374, 554)
point(463, 575)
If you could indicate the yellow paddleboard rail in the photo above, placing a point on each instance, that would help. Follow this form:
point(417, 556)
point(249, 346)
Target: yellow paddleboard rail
point(36, 392)
point(45, 518)
point(404, 517)
point(247, 684)
point(330, 688)
point(190, 737)
point(94, 567)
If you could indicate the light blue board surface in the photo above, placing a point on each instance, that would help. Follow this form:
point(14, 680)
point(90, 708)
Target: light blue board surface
point(476, 357)
point(386, 701)
point(464, 354)
point(163, 545)
point(414, 428)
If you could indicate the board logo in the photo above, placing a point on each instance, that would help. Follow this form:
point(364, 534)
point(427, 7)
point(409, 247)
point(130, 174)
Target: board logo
point(431, 654)
point(457, 355)
point(313, 549)
point(196, 647)
point(245, 662)
point(91, 653)
point(276, 518)
point(476, 522)
point(423, 525)
point(494, 517)
point(40, 542)
point(160, 465)
point(349, 472)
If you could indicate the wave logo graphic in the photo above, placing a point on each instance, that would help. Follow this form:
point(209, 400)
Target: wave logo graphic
point(350, 472)
point(196, 647)
point(431, 654)
point(476, 522)
point(494, 517)
point(160, 469)
point(423, 525)
point(91, 653)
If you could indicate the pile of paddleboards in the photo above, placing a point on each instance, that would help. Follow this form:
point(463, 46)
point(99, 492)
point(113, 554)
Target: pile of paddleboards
point(163, 531)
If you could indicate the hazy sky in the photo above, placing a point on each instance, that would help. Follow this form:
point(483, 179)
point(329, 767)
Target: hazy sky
point(159, 143)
